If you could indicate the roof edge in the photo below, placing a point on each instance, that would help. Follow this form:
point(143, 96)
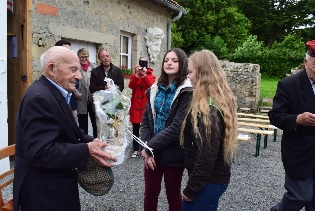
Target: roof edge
point(172, 6)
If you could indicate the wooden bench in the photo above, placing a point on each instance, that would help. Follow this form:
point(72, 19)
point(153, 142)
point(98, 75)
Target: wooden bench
point(266, 105)
point(245, 109)
point(4, 178)
point(261, 127)
point(261, 121)
point(258, 133)
point(243, 137)
point(258, 116)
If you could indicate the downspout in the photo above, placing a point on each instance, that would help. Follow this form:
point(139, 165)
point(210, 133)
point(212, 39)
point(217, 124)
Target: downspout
point(169, 27)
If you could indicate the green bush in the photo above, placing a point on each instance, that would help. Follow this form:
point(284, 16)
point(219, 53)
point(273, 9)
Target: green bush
point(250, 52)
point(215, 44)
point(275, 61)
point(278, 60)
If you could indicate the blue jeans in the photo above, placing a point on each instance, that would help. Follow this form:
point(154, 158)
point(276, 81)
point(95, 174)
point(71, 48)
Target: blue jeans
point(207, 199)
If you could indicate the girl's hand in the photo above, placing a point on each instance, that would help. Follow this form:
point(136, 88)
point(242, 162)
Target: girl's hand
point(149, 162)
point(185, 198)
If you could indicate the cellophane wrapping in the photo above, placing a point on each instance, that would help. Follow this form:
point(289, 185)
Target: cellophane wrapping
point(112, 119)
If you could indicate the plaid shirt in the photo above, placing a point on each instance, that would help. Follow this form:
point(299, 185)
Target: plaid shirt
point(162, 105)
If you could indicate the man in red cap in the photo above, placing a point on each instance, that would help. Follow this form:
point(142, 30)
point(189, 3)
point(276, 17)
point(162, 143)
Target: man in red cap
point(294, 112)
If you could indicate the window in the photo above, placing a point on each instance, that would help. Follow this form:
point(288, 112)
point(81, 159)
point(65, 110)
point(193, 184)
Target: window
point(125, 50)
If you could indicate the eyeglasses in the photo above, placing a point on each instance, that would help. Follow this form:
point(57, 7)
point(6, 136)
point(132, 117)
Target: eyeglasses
point(84, 57)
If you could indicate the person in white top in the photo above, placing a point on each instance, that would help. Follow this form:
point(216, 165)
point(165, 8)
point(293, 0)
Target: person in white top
point(84, 97)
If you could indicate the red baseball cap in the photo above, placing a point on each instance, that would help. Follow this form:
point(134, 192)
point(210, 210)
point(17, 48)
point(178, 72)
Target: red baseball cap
point(310, 45)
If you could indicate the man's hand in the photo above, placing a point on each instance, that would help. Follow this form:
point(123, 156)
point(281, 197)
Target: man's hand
point(96, 152)
point(306, 119)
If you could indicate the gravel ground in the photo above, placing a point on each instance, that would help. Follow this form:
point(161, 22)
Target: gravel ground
point(256, 183)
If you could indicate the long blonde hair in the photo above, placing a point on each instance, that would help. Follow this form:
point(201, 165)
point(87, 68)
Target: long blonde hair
point(211, 82)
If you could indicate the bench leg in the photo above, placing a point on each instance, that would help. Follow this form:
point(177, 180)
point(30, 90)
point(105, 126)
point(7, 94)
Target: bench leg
point(275, 135)
point(265, 141)
point(257, 144)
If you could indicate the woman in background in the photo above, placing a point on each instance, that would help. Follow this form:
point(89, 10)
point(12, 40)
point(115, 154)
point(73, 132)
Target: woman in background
point(208, 134)
point(160, 128)
point(139, 82)
point(85, 105)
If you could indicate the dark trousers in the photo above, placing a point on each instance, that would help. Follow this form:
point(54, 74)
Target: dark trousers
point(83, 120)
point(135, 131)
point(300, 193)
point(153, 180)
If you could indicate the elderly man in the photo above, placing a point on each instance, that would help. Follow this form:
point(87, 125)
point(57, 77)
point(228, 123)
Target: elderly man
point(49, 144)
point(106, 69)
point(294, 112)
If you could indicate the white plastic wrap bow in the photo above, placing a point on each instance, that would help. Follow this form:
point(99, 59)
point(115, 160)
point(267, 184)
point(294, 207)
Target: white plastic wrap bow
point(141, 143)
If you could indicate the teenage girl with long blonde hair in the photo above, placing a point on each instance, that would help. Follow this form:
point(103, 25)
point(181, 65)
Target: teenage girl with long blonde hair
point(208, 134)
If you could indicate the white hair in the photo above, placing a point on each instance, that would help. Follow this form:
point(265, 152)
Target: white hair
point(307, 57)
point(54, 54)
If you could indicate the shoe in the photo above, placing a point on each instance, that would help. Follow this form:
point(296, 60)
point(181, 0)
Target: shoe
point(135, 154)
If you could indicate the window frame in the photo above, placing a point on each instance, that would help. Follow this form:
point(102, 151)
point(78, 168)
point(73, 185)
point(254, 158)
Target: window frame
point(129, 49)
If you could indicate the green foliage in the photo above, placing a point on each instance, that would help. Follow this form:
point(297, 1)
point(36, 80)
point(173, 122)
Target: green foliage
point(177, 39)
point(119, 106)
point(216, 45)
point(125, 70)
point(206, 20)
point(275, 61)
point(271, 33)
point(272, 20)
point(282, 57)
point(250, 51)
point(232, 26)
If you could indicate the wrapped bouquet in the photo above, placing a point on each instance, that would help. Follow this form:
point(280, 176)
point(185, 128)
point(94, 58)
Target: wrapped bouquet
point(112, 119)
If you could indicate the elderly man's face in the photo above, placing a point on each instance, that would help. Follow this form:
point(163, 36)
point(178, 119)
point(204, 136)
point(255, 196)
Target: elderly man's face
point(310, 67)
point(105, 58)
point(67, 72)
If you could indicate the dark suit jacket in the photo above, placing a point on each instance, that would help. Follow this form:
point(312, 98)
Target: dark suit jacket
point(49, 146)
point(293, 97)
point(98, 75)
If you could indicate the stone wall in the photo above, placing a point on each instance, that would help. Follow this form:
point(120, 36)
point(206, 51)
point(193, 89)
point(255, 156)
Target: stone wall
point(100, 22)
point(244, 80)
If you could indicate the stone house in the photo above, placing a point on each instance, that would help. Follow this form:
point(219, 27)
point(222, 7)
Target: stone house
point(128, 29)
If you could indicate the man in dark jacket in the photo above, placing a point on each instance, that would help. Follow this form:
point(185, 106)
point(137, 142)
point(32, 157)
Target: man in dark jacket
point(98, 74)
point(49, 144)
point(294, 112)
point(106, 69)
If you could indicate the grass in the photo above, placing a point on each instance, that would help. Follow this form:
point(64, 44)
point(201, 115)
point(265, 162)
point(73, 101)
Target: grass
point(268, 88)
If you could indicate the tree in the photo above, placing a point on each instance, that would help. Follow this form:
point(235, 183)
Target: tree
point(250, 51)
point(208, 19)
point(215, 44)
point(282, 57)
point(272, 20)
point(274, 61)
